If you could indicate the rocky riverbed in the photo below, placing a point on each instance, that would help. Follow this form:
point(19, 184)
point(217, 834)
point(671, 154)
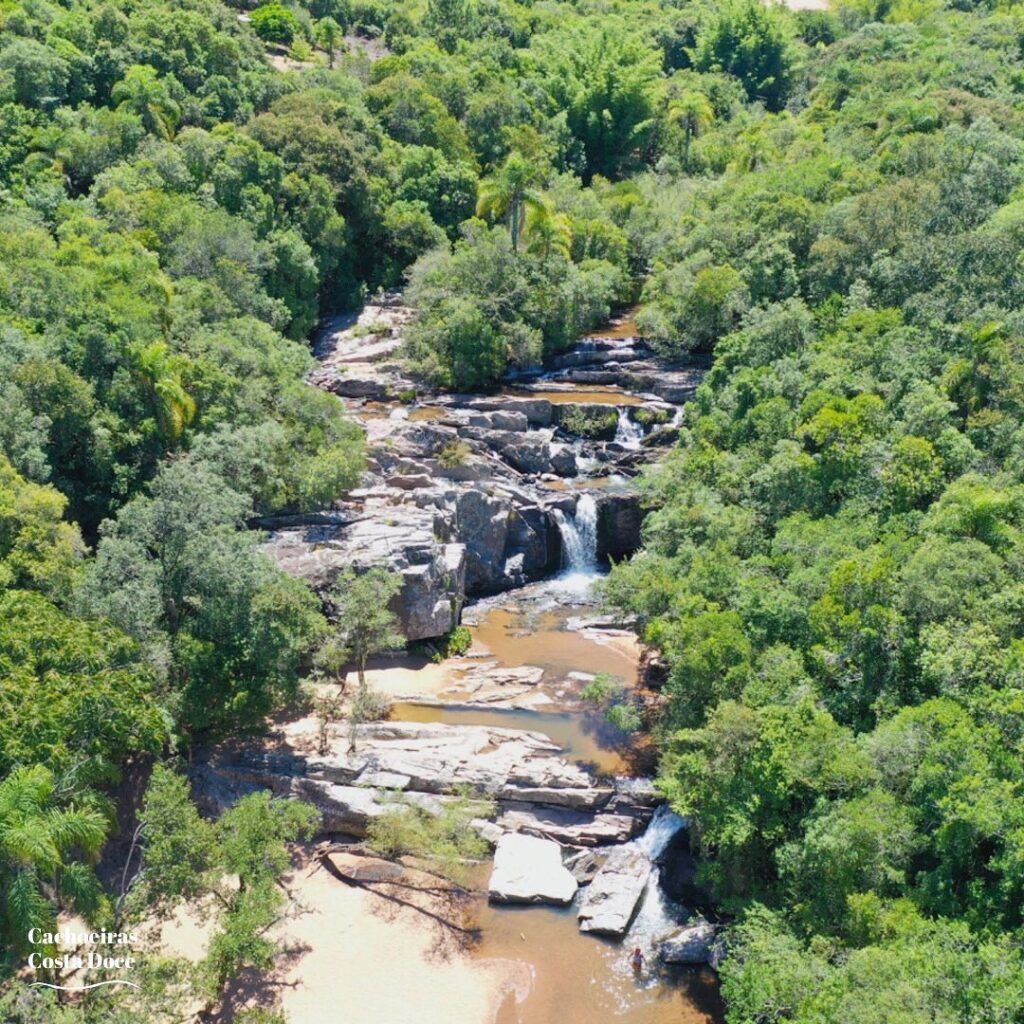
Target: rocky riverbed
point(499, 511)
point(469, 495)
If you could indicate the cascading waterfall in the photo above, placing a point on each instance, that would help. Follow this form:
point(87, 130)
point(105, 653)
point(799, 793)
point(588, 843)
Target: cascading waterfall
point(579, 535)
point(628, 433)
point(658, 915)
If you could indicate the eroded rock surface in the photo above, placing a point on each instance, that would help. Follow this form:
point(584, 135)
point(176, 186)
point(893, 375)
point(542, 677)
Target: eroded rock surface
point(536, 791)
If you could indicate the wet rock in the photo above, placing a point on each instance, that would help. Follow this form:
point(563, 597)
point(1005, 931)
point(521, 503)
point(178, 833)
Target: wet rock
point(619, 519)
point(530, 870)
point(586, 864)
point(614, 895)
point(534, 534)
point(679, 873)
point(563, 461)
point(696, 943)
point(482, 522)
point(528, 456)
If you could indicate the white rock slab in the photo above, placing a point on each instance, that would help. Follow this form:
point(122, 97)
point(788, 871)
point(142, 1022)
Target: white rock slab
point(530, 870)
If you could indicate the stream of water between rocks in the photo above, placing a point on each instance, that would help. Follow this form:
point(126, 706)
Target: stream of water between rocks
point(516, 502)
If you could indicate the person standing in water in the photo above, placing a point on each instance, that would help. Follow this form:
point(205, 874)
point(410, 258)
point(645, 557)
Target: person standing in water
point(637, 960)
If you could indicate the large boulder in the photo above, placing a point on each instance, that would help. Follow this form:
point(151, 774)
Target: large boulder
point(528, 455)
point(696, 943)
point(573, 827)
point(538, 411)
point(482, 522)
point(402, 538)
point(530, 870)
point(619, 519)
point(612, 899)
point(679, 873)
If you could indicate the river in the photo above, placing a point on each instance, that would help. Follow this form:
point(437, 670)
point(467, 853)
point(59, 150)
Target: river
point(505, 509)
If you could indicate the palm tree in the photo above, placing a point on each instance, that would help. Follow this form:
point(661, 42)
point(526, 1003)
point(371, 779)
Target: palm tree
point(510, 192)
point(546, 231)
point(328, 35)
point(142, 92)
point(36, 839)
point(160, 370)
point(693, 112)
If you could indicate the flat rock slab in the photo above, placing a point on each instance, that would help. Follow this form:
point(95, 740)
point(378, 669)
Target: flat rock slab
point(612, 899)
point(530, 870)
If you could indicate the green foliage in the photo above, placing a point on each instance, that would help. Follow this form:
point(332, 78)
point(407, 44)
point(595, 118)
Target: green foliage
point(37, 841)
point(589, 422)
point(615, 700)
point(275, 23)
point(226, 630)
point(748, 40)
point(454, 454)
point(186, 859)
point(365, 623)
point(453, 644)
point(75, 696)
point(447, 840)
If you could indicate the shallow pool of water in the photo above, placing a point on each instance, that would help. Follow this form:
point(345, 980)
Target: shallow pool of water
point(586, 980)
point(526, 636)
point(622, 326)
point(589, 396)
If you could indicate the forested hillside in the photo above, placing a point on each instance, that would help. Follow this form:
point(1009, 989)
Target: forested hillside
point(829, 202)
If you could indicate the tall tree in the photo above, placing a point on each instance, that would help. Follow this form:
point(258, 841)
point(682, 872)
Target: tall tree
point(511, 193)
point(328, 36)
point(692, 112)
point(142, 92)
point(38, 839)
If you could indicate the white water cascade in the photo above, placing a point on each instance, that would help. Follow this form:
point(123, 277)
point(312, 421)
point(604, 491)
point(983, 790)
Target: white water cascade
point(658, 915)
point(628, 433)
point(579, 536)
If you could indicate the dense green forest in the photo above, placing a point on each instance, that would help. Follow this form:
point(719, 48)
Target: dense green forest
point(830, 202)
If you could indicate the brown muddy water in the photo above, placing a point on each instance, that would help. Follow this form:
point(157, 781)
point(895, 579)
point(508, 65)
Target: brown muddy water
point(525, 637)
point(580, 979)
point(621, 326)
point(588, 396)
point(564, 976)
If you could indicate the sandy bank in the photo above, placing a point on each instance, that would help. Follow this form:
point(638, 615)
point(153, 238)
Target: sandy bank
point(353, 956)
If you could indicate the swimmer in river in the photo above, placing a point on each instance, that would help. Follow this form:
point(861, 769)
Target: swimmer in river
point(637, 959)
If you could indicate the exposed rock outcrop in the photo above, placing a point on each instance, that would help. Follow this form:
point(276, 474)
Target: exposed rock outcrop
point(530, 870)
point(612, 898)
point(696, 943)
point(619, 520)
point(536, 790)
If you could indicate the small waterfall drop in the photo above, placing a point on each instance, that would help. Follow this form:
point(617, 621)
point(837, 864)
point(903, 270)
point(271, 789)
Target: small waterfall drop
point(662, 827)
point(628, 433)
point(658, 915)
point(579, 535)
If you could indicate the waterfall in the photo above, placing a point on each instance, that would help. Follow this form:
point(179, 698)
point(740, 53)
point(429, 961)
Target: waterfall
point(658, 915)
point(579, 535)
point(662, 827)
point(628, 433)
